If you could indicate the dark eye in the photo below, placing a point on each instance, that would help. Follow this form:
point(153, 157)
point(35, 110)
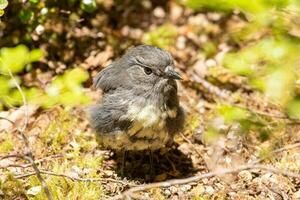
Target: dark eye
point(147, 70)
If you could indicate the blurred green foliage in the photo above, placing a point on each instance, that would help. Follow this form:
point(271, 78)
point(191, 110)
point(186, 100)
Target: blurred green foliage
point(3, 5)
point(255, 7)
point(88, 5)
point(269, 57)
point(15, 59)
point(65, 89)
point(163, 36)
point(270, 65)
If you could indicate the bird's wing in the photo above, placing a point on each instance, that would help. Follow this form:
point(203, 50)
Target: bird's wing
point(106, 119)
point(110, 78)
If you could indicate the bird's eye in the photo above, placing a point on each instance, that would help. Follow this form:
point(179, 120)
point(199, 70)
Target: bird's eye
point(147, 70)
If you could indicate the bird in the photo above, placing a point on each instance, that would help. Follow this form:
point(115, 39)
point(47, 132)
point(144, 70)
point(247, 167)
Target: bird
point(140, 107)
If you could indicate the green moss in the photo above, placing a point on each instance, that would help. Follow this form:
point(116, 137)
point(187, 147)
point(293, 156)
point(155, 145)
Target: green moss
point(11, 187)
point(7, 144)
point(62, 188)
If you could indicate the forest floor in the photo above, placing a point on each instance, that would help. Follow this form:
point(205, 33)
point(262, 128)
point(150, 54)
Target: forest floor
point(74, 166)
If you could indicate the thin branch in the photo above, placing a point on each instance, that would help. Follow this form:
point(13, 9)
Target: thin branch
point(27, 165)
point(104, 180)
point(44, 159)
point(11, 165)
point(4, 118)
point(128, 193)
point(291, 146)
point(28, 154)
point(223, 94)
point(12, 156)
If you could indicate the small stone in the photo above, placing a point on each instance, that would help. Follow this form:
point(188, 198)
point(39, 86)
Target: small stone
point(34, 190)
point(296, 195)
point(214, 16)
point(180, 193)
point(180, 43)
point(210, 63)
point(209, 190)
point(227, 160)
point(167, 192)
point(245, 175)
point(173, 189)
point(232, 194)
point(185, 188)
point(198, 190)
point(40, 29)
point(44, 11)
point(205, 181)
point(269, 178)
point(159, 12)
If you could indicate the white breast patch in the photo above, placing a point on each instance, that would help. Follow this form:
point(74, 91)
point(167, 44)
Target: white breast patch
point(148, 130)
point(148, 116)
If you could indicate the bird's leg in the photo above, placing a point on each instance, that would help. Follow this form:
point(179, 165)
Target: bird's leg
point(124, 157)
point(151, 164)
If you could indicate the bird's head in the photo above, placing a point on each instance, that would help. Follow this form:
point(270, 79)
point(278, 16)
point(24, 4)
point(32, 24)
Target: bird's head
point(149, 66)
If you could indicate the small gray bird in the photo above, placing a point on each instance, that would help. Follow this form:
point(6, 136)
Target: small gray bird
point(140, 107)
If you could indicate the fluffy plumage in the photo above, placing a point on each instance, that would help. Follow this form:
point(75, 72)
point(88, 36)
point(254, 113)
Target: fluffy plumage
point(140, 107)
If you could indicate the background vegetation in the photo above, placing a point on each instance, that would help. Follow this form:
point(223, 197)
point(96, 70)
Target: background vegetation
point(240, 62)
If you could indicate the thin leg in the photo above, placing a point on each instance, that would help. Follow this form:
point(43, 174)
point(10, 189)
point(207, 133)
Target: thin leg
point(151, 164)
point(124, 157)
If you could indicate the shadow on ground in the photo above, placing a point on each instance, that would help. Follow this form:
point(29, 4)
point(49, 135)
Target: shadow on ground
point(166, 165)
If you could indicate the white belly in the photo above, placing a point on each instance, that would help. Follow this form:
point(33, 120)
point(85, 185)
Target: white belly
point(148, 130)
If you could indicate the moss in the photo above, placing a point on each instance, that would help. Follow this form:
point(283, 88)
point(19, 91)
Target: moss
point(11, 187)
point(7, 144)
point(62, 188)
point(64, 136)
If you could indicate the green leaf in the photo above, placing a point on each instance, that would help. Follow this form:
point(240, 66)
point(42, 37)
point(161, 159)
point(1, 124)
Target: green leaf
point(35, 55)
point(34, 1)
point(67, 89)
point(279, 84)
point(88, 5)
point(232, 114)
point(16, 58)
point(13, 58)
point(3, 4)
point(26, 16)
point(293, 108)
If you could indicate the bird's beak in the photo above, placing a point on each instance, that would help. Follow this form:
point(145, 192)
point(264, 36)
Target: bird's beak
point(171, 73)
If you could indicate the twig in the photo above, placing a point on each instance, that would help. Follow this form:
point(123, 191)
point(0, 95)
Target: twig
point(45, 158)
point(27, 165)
point(12, 156)
point(291, 146)
point(104, 180)
point(196, 178)
point(28, 154)
point(3, 118)
point(11, 165)
point(224, 94)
